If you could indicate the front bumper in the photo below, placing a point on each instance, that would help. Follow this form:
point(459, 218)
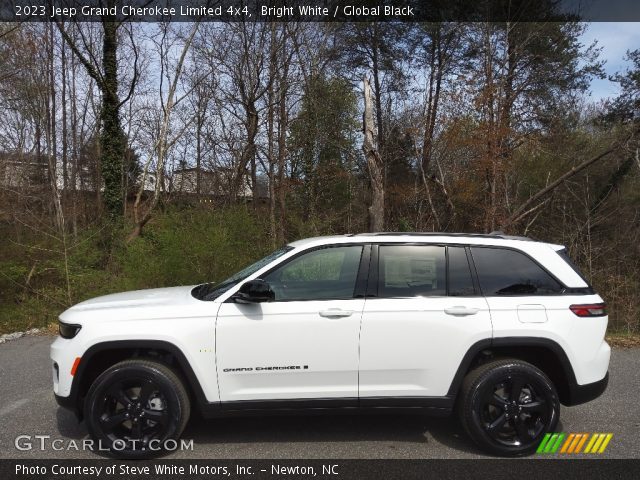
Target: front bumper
point(63, 353)
point(579, 394)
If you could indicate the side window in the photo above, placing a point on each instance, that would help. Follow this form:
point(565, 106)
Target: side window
point(460, 280)
point(411, 271)
point(328, 273)
point(507, 272)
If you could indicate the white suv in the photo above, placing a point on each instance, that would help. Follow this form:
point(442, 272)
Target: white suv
point(503, 329)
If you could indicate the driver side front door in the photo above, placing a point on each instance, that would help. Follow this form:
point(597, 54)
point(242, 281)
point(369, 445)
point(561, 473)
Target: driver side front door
point(304, 344)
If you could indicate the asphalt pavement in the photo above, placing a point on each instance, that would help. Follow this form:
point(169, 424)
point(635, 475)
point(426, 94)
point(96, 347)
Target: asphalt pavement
point(27, 407)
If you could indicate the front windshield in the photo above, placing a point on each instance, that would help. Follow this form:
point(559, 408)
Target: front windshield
point(211, 291)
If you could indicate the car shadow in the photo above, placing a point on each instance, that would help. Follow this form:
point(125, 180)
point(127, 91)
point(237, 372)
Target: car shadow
point(68, 425)
point(416, 429)
point(331, 428)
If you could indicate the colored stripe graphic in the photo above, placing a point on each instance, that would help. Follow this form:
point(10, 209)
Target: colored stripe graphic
point(543, 443)
point(578, 440)
point(574, 442)
point(551, 442)
point(566, 444)
point(592, 440)
point(582, 440)
point(607, 439)
point(558, 443)
point(598, 443)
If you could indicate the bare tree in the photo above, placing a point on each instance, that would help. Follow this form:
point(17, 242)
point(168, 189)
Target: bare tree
point(163, 142)
point(374, 162)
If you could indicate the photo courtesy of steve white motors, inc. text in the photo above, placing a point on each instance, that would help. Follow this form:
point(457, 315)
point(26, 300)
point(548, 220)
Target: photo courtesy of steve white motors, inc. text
point(173, 470)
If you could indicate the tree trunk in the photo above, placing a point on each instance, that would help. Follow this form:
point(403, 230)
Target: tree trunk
point(491, 155)
point(248, 155)
point(271, 105)
point(111, 137)
point(374, 163)
point(376, 85)
point(65, 150)
point(74, 146)
point(282, 152)
point(200, 121)
point(436, 63)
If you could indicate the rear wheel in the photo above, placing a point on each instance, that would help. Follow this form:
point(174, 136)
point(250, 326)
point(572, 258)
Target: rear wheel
point(136, 406)
point(507, 406)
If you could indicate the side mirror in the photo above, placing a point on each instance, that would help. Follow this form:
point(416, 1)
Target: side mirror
point(254, 291)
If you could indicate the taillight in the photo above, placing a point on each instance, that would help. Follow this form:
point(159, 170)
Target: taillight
point(589, 310)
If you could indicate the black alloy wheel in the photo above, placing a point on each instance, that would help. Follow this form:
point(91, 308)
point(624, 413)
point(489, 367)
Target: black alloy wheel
point(507, 406)
point(134, 407)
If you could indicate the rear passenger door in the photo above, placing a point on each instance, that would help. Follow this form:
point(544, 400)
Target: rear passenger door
point(422, 313)
point(521, 294)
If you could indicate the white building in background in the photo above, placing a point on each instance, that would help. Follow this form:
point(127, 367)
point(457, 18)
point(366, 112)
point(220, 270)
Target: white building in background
point(19, 171)
point(26, 170)
point(215, 183)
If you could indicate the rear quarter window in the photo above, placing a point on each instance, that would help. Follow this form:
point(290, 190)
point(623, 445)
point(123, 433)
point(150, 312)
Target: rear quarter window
point(503, 272)
point(564, 254)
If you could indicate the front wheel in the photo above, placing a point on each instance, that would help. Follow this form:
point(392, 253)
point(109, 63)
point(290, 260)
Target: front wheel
point(507, 406)
point(133, 408)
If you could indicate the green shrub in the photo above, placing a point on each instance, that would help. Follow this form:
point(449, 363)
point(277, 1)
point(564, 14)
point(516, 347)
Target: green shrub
point(177, 248)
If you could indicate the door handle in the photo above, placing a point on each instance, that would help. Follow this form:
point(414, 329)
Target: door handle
point(461, 311)
point(335, 313)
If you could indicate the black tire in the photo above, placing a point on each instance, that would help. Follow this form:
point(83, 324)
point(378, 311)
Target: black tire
point(507, 406)
point(134, 407)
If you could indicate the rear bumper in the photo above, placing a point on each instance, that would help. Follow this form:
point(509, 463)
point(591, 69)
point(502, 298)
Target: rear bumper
point(585, 393)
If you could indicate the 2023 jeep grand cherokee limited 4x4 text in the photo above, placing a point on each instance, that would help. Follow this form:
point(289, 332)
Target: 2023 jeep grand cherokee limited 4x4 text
point(501, 329)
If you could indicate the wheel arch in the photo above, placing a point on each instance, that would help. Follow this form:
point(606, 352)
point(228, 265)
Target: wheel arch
point(543, 353)
point(103, 355)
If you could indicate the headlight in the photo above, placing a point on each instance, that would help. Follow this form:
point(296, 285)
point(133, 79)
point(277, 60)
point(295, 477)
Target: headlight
point(67, 330)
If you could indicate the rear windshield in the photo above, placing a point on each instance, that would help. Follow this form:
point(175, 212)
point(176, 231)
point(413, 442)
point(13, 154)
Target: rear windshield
point(564, 254)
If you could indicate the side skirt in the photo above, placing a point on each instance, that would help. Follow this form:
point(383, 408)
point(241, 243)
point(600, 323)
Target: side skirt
point(431, 406)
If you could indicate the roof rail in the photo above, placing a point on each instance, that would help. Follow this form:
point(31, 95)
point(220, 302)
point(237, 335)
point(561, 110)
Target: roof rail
point(496, 234)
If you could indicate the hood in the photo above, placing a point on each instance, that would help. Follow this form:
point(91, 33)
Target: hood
point(151, 303)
